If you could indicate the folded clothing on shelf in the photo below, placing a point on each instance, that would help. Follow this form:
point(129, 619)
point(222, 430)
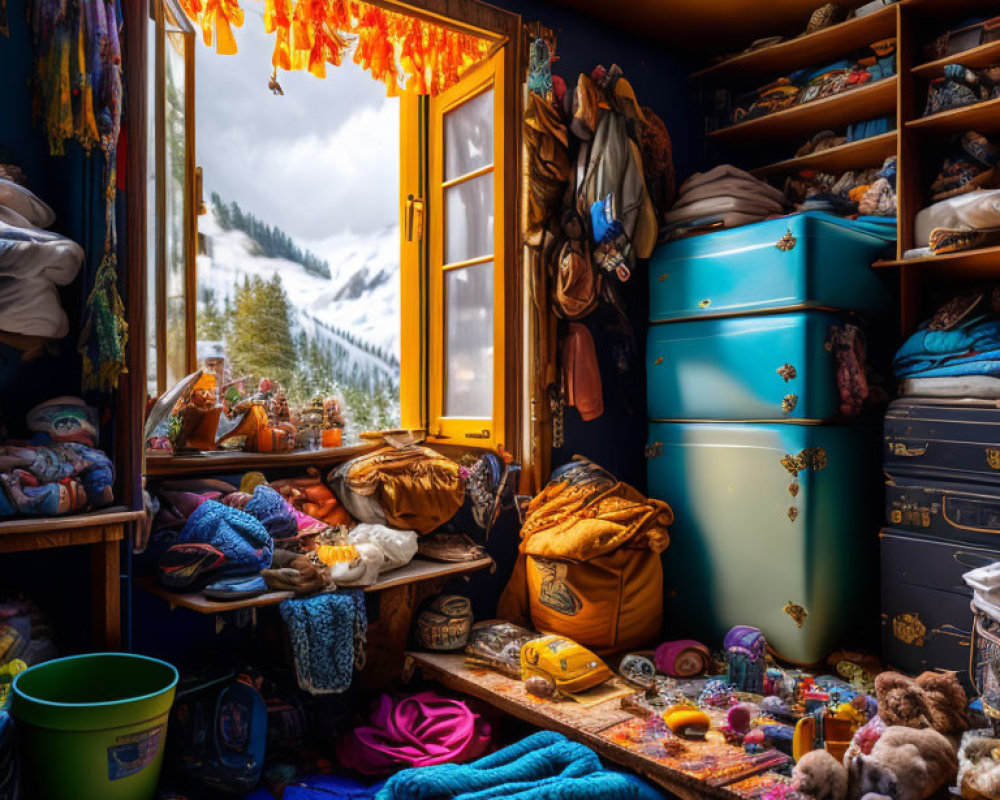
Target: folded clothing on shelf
point(961, 339)
point(981, 387)
point(870, 192)
point(33, 262)
point(961, 86)
point(722, 197)
point(54, 479)
point(969, 164)
point(975, 210)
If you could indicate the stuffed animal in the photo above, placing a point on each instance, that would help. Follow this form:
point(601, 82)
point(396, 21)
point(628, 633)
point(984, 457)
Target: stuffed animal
point(819, 776)
point(934, 699)
point(868, 778)
point(922, 760)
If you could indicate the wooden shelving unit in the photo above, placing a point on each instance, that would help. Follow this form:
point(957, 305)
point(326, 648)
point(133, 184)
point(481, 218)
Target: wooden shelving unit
point(982, 56)
point(416, 571)
point(805, 51)
point(970, 265)
point(870, 152)
point(867, 101)
point(982, 117)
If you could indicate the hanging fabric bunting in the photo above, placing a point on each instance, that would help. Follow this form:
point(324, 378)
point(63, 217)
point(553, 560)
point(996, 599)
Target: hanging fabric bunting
point(78, 97)
point(405, 53)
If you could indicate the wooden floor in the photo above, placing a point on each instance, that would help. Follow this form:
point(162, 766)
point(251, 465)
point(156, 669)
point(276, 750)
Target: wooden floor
point(610, 730)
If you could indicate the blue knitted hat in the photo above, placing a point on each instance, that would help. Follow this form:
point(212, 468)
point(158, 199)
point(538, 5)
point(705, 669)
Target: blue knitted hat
point(240, 537)
point(273, 512)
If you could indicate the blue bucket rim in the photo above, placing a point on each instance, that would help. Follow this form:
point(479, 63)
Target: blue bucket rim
point(84, 656)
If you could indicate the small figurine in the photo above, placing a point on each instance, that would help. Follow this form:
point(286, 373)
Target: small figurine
point(199, 416)
point(745, 651)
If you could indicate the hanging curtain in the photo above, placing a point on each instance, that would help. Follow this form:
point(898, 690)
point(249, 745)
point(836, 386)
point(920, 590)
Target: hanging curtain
point(405, 53)
point(78, 97)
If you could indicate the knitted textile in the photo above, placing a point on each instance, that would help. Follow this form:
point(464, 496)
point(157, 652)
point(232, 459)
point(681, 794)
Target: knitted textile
point(273, 512)
point(239, 536)
point(328, 633)
point(545, 766)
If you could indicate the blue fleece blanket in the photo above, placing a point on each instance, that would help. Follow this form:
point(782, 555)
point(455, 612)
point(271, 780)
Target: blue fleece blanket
point(970, 349)
point(545, 766)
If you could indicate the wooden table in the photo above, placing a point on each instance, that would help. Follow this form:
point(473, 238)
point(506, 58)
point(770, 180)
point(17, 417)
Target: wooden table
point(103, 532)
point(595, 726)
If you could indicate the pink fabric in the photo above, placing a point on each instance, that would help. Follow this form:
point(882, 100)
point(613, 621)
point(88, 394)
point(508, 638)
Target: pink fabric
point(307, 524)
point(668, 653)
point(416, 731)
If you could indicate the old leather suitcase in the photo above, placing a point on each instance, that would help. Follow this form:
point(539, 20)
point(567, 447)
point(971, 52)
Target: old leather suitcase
point(926, 617)
point(769, 367)
point(775, 526)
point(943, 440)
point(809, 260)
point(961, 512)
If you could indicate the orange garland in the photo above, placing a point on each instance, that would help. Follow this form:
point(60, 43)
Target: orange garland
point(405, 53)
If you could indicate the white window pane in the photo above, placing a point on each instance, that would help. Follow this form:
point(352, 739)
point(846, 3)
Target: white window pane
point(468, 136)
point(468, 352)
point(174, 222)
point(469, 219)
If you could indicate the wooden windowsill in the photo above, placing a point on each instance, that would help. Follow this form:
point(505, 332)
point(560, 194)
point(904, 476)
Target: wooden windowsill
point(164, 466)
point(414, 572)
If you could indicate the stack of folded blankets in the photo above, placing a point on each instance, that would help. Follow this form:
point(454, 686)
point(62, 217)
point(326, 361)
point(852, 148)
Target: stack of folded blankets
point(967, 212)
point(956, 353)
point(725, 197)
point(33, 262)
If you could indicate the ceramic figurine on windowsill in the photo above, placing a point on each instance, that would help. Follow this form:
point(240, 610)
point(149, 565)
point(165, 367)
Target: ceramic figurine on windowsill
point(253, 422)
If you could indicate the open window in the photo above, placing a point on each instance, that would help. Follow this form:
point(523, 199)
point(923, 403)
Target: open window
point(171, 213)
point(456, 225)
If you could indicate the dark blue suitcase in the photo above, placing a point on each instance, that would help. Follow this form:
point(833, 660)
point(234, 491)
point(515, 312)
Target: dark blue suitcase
point(943, 440)
point(926, 614)
point(961, 512)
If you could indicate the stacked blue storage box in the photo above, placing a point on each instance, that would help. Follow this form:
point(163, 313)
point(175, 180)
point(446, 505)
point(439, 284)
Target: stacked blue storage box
point(942, 465)
point(774, 509)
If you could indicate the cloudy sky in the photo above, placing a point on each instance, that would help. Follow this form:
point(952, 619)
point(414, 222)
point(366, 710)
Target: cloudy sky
point(319, 161)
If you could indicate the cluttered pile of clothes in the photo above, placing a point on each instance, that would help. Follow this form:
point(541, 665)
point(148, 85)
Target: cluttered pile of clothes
point(961, 86)
point(59, 470)
point(867, 193)
point(966, 191)
point(321, 541)
point(34, 262)
point(875, 63)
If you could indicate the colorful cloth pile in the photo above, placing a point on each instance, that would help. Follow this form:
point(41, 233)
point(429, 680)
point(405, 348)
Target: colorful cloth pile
point(870, 192)
point(33, 263)
point(26, 639)
point(52, 480)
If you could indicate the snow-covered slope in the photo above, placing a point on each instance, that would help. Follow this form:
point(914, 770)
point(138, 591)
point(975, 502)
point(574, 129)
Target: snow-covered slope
point(361, 298)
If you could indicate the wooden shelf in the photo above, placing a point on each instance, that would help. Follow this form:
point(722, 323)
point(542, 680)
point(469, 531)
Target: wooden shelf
point(869, 152)
point(983, 56)
point(805, 51)
point(599, 725)
point(115, 515)
point(414, 572)
point(868, 101)
point(976, 264)
point(981, 117)
point(222, 461)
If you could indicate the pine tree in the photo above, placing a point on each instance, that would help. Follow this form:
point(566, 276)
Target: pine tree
point(210, 321)
point(260, 342)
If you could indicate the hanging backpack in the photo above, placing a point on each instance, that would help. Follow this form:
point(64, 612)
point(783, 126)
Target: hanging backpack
point(576, 286)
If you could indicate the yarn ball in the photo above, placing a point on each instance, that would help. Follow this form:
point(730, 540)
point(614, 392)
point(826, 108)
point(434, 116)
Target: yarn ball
point(251, 481)
point(739, 718)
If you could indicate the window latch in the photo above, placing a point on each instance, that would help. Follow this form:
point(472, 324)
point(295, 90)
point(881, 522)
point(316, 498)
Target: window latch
point(414, 217)
point(484, 434)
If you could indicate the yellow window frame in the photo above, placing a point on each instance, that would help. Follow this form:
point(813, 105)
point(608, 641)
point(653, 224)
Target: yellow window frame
point(423, 266)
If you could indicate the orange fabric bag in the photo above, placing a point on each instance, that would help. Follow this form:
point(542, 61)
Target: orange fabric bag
point(589, 561)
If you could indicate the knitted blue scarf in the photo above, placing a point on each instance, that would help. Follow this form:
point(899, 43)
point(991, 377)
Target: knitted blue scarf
point(328, 637)
point(545, 766)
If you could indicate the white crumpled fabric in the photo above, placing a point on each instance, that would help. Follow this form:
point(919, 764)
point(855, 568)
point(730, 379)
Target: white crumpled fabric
point(398, 547)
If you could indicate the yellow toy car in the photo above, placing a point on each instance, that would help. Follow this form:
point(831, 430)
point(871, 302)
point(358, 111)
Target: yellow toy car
point(562, 664)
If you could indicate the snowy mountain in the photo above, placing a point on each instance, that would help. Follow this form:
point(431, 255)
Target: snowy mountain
point(356, 311)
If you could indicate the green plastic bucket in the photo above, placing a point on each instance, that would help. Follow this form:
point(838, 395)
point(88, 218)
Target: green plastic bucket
point(93, 726)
